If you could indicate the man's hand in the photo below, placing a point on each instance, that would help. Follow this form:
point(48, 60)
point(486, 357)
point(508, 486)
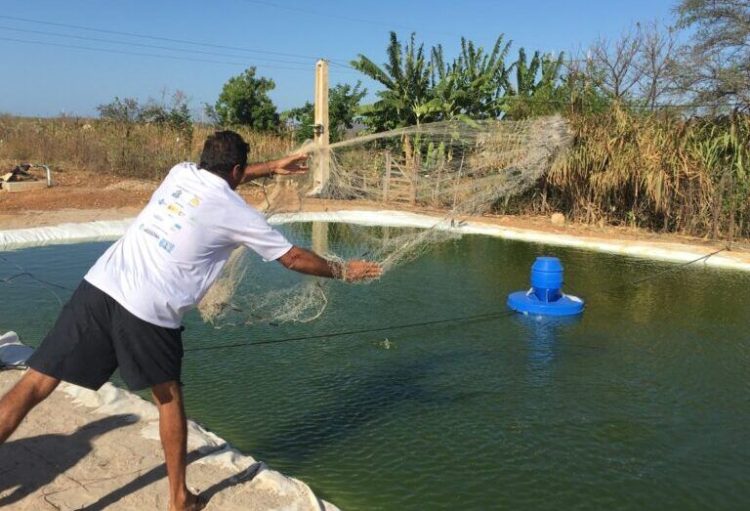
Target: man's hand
point(310, 263)
point(358, 270)
point(291, 165)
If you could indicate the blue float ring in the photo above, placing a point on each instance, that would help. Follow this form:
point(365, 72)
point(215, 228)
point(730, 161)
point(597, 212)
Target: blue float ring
point(528, 303)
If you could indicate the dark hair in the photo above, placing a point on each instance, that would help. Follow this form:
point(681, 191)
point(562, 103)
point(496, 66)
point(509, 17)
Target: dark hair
point(222, 151)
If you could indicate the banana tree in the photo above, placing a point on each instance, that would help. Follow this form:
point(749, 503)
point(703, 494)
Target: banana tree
point(473, 85)
point(537, 86)
point(406, 78)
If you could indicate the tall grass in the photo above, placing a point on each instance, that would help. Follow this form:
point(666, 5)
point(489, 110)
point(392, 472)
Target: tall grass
point(121, 149)
point(659, 171)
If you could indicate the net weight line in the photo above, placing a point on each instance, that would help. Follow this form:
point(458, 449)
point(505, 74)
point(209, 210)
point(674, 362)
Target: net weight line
point(462, 319)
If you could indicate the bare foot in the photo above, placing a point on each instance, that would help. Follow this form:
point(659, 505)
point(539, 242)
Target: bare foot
point(192, 503)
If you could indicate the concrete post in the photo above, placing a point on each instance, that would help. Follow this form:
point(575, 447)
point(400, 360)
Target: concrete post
point(321, 170)
point(320, 238)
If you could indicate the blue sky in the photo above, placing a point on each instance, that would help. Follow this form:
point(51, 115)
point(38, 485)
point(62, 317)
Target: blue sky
point(46, 70)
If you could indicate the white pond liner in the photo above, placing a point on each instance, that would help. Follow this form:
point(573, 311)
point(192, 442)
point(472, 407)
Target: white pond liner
point(12, 352)
point(112, 229)
point(110, 400)
point(101, 230)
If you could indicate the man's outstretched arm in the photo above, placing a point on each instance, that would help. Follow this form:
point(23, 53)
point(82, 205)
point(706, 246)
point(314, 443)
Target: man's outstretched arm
point(305, 261)
point(288, 166)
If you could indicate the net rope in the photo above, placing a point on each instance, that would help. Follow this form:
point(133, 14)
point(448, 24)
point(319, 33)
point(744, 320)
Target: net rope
point(456, 169)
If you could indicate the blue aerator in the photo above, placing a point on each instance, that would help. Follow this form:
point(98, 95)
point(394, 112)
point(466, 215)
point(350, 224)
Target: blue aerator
point(545, 298)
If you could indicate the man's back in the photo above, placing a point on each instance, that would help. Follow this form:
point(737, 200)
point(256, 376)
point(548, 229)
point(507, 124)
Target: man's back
point(178, 244)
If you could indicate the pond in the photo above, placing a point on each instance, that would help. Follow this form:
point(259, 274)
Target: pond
point(642, 403)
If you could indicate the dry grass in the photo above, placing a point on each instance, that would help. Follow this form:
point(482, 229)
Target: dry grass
point(657, 171)
point(125, 150)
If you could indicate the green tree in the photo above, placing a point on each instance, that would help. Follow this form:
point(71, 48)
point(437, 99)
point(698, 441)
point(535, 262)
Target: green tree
point(537, 89)
point(126, 111)
point(176, 115)
point(343, 102)
point(406, 78)
point(473, 84)
point(343, 105)
point(301, 120)
point(244, 101)
point(716, 67)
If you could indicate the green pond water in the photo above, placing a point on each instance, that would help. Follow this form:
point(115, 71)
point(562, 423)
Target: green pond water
point(642, 403)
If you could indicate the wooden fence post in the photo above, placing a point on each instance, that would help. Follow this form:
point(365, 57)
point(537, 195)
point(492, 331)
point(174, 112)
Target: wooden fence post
point(387, 177)
point(732, 209)
point(417, 164)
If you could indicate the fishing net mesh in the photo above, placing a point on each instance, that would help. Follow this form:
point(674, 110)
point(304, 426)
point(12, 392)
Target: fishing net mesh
point(457, 169)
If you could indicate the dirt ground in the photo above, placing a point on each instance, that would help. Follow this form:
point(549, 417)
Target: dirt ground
point(84, 197)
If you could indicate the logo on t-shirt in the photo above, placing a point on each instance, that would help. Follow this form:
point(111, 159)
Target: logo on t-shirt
point(175, 209)
point(166, 245)
point(148, 231)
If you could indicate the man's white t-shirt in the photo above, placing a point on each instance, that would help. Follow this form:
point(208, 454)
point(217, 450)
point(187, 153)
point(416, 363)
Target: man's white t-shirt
point(178, 244)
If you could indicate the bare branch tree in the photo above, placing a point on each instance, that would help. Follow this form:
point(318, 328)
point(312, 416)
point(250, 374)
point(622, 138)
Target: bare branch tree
point(617, 63)
point(656, 62)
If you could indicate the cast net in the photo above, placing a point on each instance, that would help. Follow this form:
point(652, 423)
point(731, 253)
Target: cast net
point(454, 169)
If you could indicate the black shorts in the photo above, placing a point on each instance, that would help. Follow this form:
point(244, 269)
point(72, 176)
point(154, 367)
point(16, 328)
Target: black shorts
point(94, 335)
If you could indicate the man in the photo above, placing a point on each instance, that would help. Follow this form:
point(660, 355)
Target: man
point(127, 311)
